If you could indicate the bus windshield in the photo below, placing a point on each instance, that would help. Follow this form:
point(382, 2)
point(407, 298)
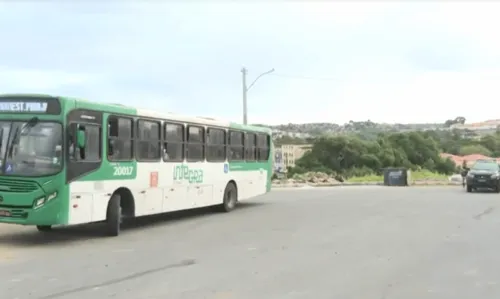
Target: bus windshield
point(30, 149)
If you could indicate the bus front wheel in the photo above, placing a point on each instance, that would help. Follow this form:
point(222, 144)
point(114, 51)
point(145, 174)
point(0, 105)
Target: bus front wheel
point(114, 216)
point(230, 198)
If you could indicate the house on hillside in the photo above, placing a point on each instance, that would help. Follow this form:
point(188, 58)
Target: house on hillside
point(287, 154)
point(485, 127)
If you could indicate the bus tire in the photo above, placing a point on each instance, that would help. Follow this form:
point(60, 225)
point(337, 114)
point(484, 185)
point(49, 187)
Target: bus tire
point(114, 216)
point(230, 198)
point(44, 228)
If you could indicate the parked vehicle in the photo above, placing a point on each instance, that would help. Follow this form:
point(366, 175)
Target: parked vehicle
point(483, 174)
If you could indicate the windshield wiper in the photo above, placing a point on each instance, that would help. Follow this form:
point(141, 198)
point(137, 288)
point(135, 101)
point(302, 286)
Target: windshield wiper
point(28, 125)
point(1, 137)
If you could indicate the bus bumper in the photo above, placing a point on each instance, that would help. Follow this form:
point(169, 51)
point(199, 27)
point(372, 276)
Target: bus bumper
point(49, 214)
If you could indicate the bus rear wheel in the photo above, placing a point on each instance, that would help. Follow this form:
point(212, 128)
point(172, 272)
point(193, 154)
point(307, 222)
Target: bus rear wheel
point(44, 228)
point(230, 198)
point(114, 216)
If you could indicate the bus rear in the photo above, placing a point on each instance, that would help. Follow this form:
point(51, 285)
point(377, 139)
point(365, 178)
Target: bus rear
point(31, 160)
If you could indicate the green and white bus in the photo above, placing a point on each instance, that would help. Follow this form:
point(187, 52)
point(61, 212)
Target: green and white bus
point(66, 161)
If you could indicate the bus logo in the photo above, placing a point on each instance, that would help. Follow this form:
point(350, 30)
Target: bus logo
point(184, 173)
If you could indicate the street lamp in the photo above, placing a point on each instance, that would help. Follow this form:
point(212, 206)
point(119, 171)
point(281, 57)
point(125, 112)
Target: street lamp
point(244, 72)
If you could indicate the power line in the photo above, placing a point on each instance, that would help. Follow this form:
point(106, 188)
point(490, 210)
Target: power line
point(302, 77)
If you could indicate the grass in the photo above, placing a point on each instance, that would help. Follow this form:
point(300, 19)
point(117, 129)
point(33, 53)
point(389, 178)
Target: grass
point(414, 176)
point(366, 178)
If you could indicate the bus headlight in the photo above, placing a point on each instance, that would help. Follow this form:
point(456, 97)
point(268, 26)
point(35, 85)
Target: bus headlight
point(43, 200)
point(52, 196)
point(39, 202)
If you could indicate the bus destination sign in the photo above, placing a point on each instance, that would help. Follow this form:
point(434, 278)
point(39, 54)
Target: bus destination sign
point(36, 105)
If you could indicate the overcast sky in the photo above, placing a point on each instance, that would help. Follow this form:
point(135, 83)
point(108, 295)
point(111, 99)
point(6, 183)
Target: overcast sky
point(334, 61)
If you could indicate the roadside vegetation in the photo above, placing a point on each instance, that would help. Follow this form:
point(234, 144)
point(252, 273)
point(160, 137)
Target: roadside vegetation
point(355, 158)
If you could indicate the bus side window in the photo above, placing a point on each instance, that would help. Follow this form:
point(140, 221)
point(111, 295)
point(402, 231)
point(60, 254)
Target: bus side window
point(81, 151)
point(173, 145)
point(92, 150)
point(120, 141)
point(216, 145)
point(196, 144)
point(236, 146)
point(263, 147)
point(148, 140)
point(250, 147)
point(110, 142)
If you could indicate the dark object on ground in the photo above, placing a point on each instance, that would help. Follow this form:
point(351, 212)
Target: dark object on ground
point(395, 177)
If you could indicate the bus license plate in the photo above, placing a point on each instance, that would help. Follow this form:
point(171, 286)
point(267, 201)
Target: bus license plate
point(482, 180)
point(4, 213)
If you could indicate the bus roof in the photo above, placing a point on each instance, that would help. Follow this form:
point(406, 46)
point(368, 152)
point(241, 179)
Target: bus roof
point(129, 110)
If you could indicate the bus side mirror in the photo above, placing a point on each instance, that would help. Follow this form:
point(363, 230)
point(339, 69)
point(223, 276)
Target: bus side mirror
point(80, 138)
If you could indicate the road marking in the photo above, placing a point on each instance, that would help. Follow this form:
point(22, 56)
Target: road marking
point(484, 213)
point(16, 280)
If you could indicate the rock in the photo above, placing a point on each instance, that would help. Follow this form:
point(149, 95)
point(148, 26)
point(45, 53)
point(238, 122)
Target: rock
point(319, 179)
point(314, 178)
point(456, 178)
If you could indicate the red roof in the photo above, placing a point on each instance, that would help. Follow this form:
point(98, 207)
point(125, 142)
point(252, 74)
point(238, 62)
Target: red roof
point(475, 157)
point(469, 158)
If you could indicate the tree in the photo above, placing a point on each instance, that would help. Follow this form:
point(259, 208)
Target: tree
point(457, 120)
point(355, 153)
point(475, 149)
point(289, 140)
point(350, 155)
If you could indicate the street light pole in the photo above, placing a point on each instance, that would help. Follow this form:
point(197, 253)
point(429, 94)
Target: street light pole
point(244, 73)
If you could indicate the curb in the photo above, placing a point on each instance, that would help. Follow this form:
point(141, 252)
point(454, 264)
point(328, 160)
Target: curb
point(308, 186)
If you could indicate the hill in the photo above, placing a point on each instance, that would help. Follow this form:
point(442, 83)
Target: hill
point(362, 127)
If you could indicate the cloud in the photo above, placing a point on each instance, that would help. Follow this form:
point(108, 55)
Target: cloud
point(36, 80)
point(432, 95)
point(338, 61)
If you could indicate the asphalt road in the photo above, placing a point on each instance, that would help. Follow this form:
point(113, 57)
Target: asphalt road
point(355, 242)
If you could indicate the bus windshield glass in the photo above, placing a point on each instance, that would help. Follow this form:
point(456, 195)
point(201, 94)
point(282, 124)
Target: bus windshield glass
point(30, 149)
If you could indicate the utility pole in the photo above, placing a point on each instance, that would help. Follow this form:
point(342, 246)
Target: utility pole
point(244, 72)
point(246, 88)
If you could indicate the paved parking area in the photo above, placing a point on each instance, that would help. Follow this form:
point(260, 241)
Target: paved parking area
point(342, 242)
